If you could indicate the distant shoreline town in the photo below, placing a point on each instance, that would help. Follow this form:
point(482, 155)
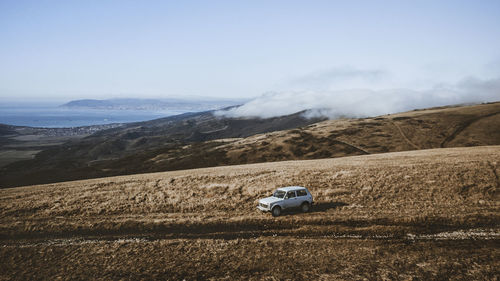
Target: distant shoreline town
point(152, 104)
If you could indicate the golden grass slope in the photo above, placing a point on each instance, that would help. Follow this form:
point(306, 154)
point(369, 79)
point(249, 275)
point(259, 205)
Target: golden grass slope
point(261, 258)
point(424, 215)
point(460, 126)
point(420, 129)
point(442, 187)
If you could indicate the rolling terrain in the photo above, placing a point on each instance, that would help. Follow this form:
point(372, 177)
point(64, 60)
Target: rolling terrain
point(198, 140)
point(19, 143)
point(422, 214)
point(108, 152)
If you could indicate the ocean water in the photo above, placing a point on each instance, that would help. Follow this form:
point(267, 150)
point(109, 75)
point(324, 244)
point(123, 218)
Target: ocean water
point(57, 117)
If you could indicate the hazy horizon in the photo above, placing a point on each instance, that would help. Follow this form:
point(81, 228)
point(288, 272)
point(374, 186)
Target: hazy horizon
point(424, 53)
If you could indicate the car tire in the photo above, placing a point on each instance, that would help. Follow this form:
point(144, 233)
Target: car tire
point(305, 207)
point(276, 211)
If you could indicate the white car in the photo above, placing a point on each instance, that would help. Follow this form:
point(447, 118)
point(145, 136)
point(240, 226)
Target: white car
point(287, 198)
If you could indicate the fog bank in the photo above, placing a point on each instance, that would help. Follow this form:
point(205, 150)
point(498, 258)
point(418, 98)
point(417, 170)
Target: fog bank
point(364, 103)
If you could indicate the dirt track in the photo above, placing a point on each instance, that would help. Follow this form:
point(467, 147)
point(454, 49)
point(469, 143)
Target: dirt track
point(425, 214)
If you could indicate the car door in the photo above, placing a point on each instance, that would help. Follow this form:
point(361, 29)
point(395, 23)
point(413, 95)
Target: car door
point(301, 195)
point(291, 200)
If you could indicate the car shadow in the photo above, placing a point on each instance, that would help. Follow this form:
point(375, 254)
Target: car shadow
point(325, 206)
point(316, 208)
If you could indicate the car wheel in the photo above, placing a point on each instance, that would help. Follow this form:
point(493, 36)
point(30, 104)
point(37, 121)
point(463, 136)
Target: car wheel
point(305, 207)
point(276, 211)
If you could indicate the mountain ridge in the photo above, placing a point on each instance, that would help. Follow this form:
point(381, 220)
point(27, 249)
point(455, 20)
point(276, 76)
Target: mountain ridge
point(196, 140)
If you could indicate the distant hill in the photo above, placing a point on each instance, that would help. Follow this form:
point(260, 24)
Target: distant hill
point(78, 157)
point(195, 140)
point(153, 104)
point(89, 103)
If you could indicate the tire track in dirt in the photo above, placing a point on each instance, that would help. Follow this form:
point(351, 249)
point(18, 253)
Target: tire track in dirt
point(257, 228)
point(460, 234)
point(404, 136)
point(461, 127)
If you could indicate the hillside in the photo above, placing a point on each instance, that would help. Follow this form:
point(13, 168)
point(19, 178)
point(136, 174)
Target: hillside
point(100, 154)
point(460, 126)
point(19, 143)
point(423, 214)
point(204, 140)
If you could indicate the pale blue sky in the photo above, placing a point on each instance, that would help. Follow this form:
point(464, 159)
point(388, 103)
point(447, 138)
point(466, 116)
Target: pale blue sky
point(241, 49)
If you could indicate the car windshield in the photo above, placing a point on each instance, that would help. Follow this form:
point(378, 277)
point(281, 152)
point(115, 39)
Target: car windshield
point(279, 194)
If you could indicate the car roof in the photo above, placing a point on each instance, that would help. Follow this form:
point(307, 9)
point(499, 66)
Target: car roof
point(290, 188)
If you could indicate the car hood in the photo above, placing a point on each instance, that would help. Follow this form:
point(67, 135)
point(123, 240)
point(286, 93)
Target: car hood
point(270, 200)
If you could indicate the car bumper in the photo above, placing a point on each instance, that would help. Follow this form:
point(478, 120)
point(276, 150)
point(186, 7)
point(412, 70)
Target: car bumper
point(263, 209)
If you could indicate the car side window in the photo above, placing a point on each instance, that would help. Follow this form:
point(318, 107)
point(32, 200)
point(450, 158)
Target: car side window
point(291, 194)
point(301, 192)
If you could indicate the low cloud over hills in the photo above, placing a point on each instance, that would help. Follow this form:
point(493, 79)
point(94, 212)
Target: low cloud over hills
point(363, 103)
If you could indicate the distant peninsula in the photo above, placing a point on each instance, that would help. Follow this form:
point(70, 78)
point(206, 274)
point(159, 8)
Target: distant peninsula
point(152, 104)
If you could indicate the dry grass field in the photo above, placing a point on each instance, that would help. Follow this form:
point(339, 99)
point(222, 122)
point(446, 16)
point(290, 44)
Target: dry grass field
point(424, 214)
